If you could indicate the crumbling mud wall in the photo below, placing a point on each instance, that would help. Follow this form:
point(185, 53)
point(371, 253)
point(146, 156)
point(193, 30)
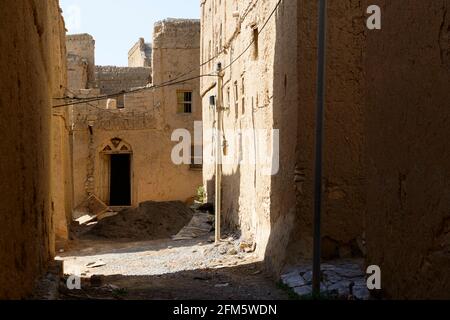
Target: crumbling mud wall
point(145, 124)
point(176, 56)
point(140, 55)
point(61, 172)
point(344, 177)
point(31, 74)
point(286, 108)
point(224, 37)
point(61, 150)
point(81, 60)
point(260, 97)
point(110, 79)
point(276, 90)
point(386, 165)
point(408, 148)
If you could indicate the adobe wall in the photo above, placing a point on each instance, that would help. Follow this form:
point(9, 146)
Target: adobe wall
point(176, 56)
point(83, 46)
point(408, 148)
point(62, 189)
point(260, 93)
point(110, 79)
point(32, 73)
point(140, 55)
point(344, 176)
point(77, 72)
point(386, 189)
point(276, 90)
point(146, 122)
point(140, 125)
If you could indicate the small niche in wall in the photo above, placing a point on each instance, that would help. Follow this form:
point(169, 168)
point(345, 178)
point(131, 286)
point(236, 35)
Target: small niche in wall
point(255, 42)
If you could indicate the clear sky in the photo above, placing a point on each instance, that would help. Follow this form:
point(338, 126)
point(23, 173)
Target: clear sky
point(118, 24)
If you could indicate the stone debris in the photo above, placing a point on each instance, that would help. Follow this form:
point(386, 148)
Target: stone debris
point(47, 286)
point(111, 287)
point(180, 238)
point(303, 291)
point(97, 264)
point(230, 247)
point(223, 249)
point(107, 214)
point(340, 280)
point(293, 279)
point(247, 247)
point(92, 206)
point(200, 225)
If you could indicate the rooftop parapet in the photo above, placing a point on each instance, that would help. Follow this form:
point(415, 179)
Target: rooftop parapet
point(177, 33)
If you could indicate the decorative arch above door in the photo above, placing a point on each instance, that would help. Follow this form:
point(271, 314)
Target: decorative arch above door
point(115, 146)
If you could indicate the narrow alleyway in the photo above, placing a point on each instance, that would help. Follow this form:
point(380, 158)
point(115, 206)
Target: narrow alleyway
point(108, 147)
point(166, 269)
point(140, 253)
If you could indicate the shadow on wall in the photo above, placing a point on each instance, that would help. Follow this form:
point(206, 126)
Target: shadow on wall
point(294, 114)
point(386, 146)
point(230, 218)
point(285, 109)
point(31, 74)
point(231, 183)
point(408, 153)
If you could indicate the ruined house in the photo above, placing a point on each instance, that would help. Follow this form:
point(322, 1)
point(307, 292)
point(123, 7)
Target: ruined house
point(140, 55)
point(386, 198)
point(122, 145)
point(387, 168)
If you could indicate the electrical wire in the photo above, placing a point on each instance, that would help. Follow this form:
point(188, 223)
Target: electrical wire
point(176, 80)
point(106, 96)
point(90, 104)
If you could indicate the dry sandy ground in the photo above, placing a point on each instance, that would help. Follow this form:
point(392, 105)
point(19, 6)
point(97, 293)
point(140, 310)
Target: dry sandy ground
point(166, 269)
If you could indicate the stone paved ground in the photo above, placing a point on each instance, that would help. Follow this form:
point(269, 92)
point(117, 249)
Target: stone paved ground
point(341, 279)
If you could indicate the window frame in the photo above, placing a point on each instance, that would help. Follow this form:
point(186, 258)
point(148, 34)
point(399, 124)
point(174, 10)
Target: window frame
point(181, 104)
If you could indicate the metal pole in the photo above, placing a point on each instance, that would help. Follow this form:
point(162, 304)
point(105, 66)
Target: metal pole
point(219, 130)
point(319, 146)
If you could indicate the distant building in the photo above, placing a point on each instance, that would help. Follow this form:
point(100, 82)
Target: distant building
point(122, 145)
point(140, 55)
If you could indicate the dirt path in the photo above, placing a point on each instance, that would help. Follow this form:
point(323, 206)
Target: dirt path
point(166, 269)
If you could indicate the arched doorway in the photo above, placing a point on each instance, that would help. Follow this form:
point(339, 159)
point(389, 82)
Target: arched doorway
point(116, 173)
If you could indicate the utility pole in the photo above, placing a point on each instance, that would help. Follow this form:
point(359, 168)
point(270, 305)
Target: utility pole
point(219, 142)
point(319, 147)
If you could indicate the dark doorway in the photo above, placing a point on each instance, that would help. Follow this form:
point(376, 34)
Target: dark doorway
point(120, 187)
